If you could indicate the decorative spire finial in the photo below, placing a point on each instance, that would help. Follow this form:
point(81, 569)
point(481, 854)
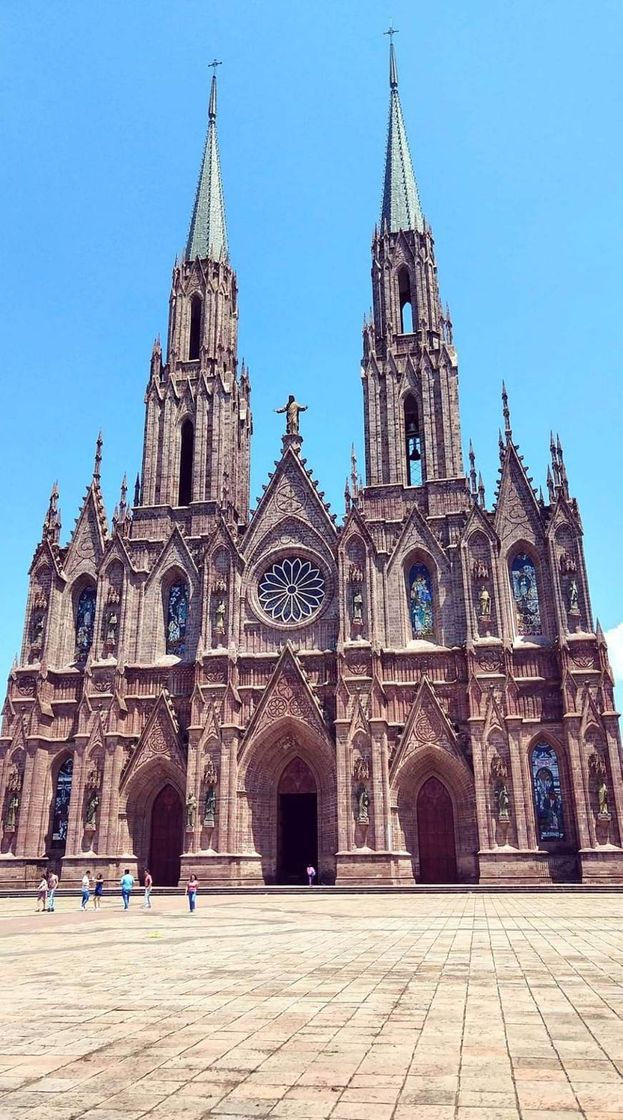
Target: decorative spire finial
point(481, 491)
point(207, 237)
point(354, 474)
point(52, 521)
point(473, 485)
point(97, 466)
point(393, 72)
point(212, 109)
point(137, 490)
point(401, 208)
point(506, 412)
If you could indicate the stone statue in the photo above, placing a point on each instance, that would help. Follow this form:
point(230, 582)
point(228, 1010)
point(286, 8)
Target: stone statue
point(37, 629)
point(503, 802)
point(220, 616)
point(191, 810)
point(11, 813)
point(111, 628)
point(572, 593)
point(484, 602)
point(92, 807)
point(292, 410)
point(363, 806)
point(358, 606)
point(602, 794)
point(209, 812)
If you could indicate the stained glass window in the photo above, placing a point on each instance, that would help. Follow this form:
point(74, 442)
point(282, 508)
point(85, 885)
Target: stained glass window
point(421, 601)
point(547, 795)
point(85, 621)
point(61, 802)
point(291, 590)
point(177, 618)
point(526, 595)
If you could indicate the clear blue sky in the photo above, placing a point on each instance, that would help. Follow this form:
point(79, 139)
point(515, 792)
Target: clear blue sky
point(514, 118)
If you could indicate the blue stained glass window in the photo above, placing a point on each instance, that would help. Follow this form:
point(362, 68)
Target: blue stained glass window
point(526, 595)
point(421, 601)
point(547, 795)
point(85, 622)
point(177, 618)
point(61, 802)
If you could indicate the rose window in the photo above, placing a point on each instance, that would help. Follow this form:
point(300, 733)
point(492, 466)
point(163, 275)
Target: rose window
point(291, 590)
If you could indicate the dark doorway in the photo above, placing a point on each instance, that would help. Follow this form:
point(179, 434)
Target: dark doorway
point(435, 830)
point(166, 838)
point(297, 842)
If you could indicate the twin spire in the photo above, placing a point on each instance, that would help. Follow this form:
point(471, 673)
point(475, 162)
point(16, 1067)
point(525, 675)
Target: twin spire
point(401, 207)
point(207, 236)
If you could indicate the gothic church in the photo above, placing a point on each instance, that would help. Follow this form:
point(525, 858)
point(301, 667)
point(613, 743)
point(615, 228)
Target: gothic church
point(415, 695)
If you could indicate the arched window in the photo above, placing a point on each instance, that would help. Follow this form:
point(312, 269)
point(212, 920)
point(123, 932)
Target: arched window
point(547, 794)
point(194, 338)
point(421, 601)
point(62, 796)
point(525, 595)
point(177, 618)
point(187, 446)
point(407, 317)
point(413, 442)
point(85, 621)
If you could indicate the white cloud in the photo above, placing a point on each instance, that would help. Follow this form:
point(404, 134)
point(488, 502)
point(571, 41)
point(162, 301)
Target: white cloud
point(614, 638)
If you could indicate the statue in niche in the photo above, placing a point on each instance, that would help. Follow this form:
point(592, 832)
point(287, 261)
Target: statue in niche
point(357, 605)
point(209, 811)
point(111, 629)
point(11, 813)
point(484, 602)
point(573, 596)
point(191, 810)
point(292, 410)
point(38, 624)
point(503, 801)
point(363, 805)
point(91, 809)
point(219, 616)
point(602, 796)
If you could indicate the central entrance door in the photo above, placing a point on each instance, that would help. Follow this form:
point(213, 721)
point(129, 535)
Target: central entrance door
point(435, 831)
point(167, 834)
point(297, 839)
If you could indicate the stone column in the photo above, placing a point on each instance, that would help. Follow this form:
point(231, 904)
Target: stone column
point(106, 793)
point(232, 823)
point(378, 795)
point(25, 843)
point(486, 837)
point(581, 799)
point(526, 831)
point(75, 823)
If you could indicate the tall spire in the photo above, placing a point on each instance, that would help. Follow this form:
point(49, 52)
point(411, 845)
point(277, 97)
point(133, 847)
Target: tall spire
point(401, 208)
point(207, 236)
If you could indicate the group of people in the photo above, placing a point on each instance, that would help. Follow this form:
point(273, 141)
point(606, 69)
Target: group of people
point(49, 882)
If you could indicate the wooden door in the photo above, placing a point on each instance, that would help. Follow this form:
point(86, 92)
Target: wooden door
point(167, 834)
point(435, 830)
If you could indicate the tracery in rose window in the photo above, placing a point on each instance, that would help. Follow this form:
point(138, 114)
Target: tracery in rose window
point(291, 590)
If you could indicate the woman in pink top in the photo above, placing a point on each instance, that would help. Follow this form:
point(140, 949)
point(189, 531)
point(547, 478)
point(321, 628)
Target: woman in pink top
point(191, 891)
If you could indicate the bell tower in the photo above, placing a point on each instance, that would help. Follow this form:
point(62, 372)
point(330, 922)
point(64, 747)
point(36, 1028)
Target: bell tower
point(198, 417)
point(409, 368)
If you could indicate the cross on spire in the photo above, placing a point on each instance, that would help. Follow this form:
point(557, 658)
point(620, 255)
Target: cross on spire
point(391, 31)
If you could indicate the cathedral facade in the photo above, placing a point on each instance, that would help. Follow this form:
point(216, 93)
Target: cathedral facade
point(417, 694)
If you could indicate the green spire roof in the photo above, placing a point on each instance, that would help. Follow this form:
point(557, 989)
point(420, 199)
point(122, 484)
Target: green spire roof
point(207, 236)
point(401, 208)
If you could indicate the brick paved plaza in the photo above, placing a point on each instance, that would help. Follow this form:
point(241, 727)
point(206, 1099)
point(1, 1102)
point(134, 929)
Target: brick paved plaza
point(431, 1006)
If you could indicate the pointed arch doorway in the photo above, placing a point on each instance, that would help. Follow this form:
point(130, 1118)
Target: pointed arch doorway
point(166, 837)
point(297, 822)
point(435, 831)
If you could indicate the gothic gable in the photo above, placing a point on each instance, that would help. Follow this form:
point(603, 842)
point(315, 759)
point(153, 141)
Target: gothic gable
point(159, 742)
point(517, 515)
point(427, 727)
point(287, 695)
point(86, 547)
point(290, 494)
point(175, 553)
point(417, 533)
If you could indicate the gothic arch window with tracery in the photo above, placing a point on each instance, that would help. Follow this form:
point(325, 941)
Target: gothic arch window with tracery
point(525, 591)
point(292, 590)
point(194, 337)
point(548, 806)
point(60, 809)
point(177, 618)
point(413, 441)
point(421, 602)
point(407, 317)
point(85, 621)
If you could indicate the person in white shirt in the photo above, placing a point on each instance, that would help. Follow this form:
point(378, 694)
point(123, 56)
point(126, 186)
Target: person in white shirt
point(86, 889)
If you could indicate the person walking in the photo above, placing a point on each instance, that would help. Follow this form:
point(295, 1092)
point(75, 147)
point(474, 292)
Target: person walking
point(99, 890)
point(126, 883)
point(42, 895)
point(86, 890)
point(52, 885)
point(311, 874)
point(148, 884)
point(191, 891)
